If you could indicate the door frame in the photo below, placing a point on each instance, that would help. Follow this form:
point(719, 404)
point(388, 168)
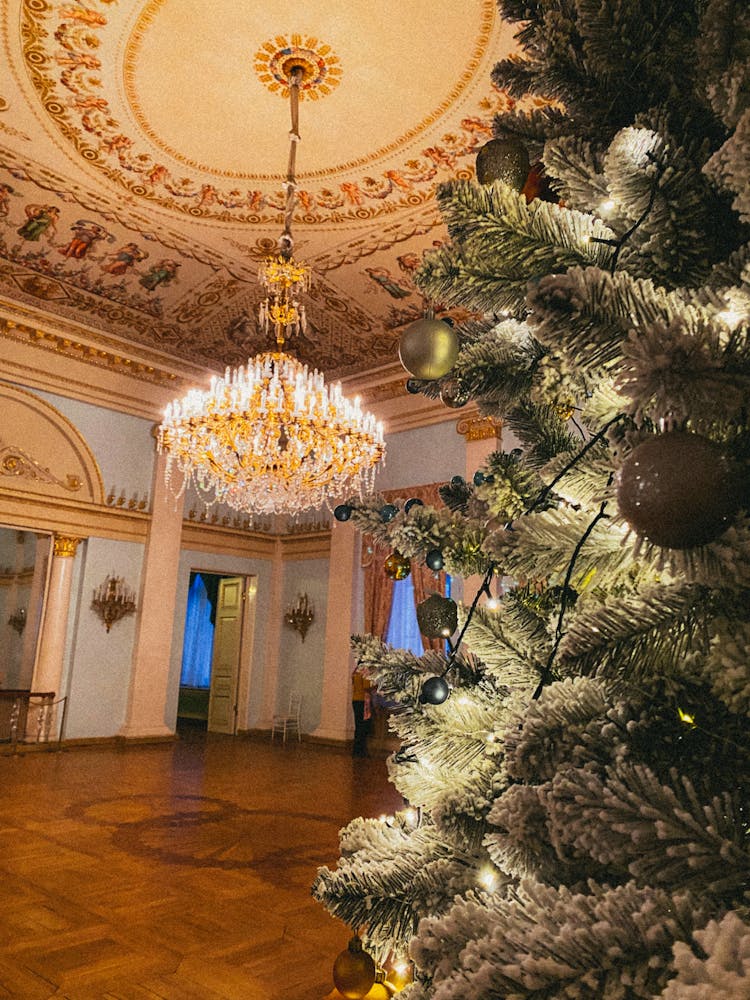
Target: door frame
point(247, 640)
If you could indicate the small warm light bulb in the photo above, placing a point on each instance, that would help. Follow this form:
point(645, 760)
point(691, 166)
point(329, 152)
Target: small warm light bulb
point(491, 738)
point(487, 878)
point(492, 604)
point(731, 317)
point(607, 207)
point(411, 817)
point(686, 717)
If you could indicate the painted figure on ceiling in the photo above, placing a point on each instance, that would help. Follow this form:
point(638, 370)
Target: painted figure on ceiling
point(383, 277)
point(160, 274)
point(41, 220)
point(85, 235)
point(5, 192)
point(352, 193)
point(409, 262)
point(121, 260)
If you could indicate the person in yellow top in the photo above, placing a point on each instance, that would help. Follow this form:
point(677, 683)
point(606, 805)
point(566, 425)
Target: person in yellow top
point(361, 706)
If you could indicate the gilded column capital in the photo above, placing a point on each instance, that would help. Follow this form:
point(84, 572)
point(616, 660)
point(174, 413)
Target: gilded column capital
point(66, 546)
point(478, 428)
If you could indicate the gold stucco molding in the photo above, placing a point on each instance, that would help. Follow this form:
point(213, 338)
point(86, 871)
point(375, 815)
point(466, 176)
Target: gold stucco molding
point(66, 546)
point(476, 428)
point(15, 462)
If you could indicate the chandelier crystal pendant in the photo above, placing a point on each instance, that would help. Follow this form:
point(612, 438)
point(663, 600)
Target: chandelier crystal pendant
point(271, 437)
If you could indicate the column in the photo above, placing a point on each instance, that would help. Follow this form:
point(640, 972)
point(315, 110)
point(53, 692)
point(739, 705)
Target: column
point(273, 641)
point(49, 664)
point(149, 682)
point(34, 609)
point(336, 712)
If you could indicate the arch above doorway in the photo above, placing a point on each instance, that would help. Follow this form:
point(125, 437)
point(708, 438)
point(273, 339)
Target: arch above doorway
point(42, 453)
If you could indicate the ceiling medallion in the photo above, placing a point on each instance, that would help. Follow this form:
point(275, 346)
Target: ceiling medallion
point(316, 63)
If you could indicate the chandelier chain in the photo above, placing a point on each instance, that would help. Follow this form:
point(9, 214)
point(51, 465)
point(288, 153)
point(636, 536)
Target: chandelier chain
point(286, 243)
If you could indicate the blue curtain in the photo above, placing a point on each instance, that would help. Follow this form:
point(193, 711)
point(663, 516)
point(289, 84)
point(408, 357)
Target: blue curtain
point(199, 637)
point(403, 631)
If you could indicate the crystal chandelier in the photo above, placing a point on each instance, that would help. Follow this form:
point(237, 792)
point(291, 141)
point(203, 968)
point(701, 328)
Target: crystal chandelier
point(271, 437)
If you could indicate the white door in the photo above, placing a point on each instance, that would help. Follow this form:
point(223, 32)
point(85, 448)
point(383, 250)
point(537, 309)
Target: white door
point(225, 666)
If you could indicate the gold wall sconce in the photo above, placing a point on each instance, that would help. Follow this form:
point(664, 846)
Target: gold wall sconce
point(113, 600)
point(18, 620)
point(300, 615)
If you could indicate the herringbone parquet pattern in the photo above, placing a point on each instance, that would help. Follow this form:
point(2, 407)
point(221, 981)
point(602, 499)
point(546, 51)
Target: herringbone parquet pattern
point(179, 871)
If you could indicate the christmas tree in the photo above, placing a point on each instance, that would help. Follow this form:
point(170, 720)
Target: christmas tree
point(576, 762)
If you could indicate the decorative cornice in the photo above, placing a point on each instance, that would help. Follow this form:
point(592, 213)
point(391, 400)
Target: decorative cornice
point(64, 517)
point(90, 354)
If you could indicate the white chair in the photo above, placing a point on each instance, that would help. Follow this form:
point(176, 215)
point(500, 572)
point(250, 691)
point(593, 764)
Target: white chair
point(289, 723)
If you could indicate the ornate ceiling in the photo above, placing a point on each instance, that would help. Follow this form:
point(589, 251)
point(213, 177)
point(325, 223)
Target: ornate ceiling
point(143, 145)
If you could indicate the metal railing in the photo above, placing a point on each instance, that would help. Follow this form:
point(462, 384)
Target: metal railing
point(30, 717)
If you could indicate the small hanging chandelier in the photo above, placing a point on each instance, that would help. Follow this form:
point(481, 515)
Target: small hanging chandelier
point(271, 437)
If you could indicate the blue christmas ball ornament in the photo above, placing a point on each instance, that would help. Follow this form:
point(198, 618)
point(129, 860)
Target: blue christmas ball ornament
point(388, 512)
point(343, 512)
point(412, 502)
point(458, 481)
point(434, 560)
point(478, 477)
point(435, 690)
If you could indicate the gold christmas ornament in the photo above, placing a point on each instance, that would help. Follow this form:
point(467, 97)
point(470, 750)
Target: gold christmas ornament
point(504, 160)
point(397, 567)
point(354, 971)
point(428, 348)
point(381, 989)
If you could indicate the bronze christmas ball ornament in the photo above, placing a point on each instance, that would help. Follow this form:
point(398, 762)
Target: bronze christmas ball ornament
point(453, 394)
point(504, 160)
point(428, 348)
point(679, 490)
point(396, 566)
point(437, 617)
point(354, 971)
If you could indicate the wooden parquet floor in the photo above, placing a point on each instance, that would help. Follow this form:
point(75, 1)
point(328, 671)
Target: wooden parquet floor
point(177, 871)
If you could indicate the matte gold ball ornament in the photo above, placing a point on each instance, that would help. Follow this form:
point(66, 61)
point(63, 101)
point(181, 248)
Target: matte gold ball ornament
point(679, 490)
point(428, 348)
point(504, 160)
point(396, 566)
point(354, 971)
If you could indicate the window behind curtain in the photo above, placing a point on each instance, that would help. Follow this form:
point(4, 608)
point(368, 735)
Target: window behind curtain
point(199, 636)
point(403, 630)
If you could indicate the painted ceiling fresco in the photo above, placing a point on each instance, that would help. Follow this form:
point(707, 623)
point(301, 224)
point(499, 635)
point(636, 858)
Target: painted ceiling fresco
point(143, 147)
